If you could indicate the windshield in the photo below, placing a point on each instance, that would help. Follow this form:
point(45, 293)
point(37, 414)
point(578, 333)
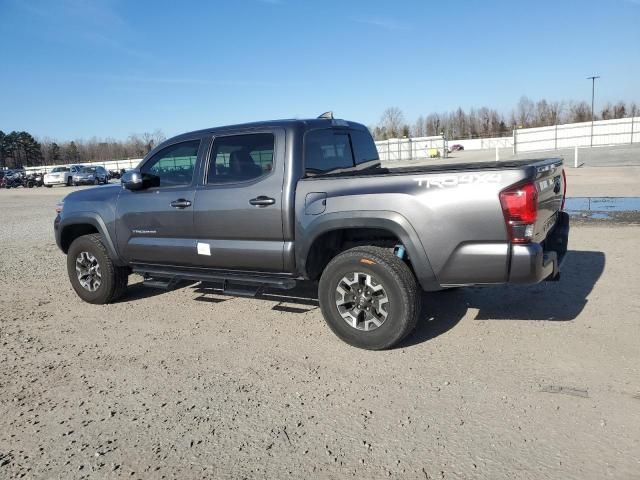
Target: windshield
point(88, 170)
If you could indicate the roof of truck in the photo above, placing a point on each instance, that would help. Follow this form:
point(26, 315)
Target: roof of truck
point(286, 123)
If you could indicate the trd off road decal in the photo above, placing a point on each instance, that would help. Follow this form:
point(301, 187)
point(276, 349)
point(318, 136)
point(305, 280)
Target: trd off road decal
point(448, 181)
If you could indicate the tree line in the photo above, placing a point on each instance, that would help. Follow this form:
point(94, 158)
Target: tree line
point(21, 149)
point(488, 122)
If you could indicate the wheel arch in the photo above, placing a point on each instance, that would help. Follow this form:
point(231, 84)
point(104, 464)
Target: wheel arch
point(394, 224)
point(85, 224)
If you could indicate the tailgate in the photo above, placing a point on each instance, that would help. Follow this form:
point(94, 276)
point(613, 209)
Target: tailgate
point(550, 185)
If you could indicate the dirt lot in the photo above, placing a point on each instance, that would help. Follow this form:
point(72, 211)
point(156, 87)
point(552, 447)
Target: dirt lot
point(539, 382)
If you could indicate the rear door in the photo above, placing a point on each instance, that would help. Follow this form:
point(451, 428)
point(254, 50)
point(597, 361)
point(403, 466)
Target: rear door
point(238, 205)
point(156, 225)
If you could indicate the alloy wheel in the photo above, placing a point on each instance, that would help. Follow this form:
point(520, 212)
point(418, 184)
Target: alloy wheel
point(362, 301)
point(88, 271)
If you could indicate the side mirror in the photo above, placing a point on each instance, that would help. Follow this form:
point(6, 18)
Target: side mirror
point(136, 180)
point(132, 180)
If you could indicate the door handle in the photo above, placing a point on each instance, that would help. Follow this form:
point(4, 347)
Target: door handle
point(262, 201)
point(181, 203)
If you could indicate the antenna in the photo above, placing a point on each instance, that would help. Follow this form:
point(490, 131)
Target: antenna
point(327, 115)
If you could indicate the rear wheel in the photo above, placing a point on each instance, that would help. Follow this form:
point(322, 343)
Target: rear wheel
point(369, 298)
point(93, 275)
point(69, 181)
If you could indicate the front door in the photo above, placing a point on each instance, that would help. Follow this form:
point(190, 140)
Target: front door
point(238, 204)
point(155, 225)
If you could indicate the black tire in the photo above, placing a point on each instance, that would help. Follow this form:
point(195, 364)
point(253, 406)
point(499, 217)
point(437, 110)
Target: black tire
point(69, 181)
point(114, 279)
point(399, 285)
point(48, 186)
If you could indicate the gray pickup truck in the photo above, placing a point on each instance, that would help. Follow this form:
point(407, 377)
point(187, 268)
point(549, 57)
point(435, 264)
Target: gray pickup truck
point(268, 204)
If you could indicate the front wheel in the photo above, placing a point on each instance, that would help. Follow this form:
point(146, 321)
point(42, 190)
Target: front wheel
point(369, 298)
point(93, 275)
point(69, 181)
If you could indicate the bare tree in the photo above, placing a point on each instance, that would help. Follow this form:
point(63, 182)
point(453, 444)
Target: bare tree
point(619, 110)
point(555, 112)
point(607, 112)
point(579, 112)
point(392, 122)
point(419, 127)
point(524, 112)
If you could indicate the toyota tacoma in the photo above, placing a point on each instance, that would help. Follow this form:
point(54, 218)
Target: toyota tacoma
point(268, 204)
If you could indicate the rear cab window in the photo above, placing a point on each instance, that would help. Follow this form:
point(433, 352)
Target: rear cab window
point(338, 150)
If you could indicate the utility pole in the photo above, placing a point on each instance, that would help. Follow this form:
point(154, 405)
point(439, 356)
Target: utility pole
point(593, 90)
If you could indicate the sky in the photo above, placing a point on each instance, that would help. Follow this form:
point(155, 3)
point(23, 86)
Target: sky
point(74, 69)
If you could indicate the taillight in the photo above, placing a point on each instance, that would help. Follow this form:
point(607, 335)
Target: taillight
point(520, 209)
point(564, 191)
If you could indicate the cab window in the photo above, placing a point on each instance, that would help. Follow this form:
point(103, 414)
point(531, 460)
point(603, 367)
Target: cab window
point(364, 148)
point(240, 158)
point(327, 151)
point(174, 165)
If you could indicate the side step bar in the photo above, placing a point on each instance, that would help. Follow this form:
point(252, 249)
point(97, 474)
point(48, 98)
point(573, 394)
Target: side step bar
point(240, 284)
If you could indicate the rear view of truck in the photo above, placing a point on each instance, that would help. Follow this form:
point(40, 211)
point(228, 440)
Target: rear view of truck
point(536, 224)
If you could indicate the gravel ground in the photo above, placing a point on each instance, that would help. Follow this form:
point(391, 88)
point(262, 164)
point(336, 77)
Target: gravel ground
point(539, 382)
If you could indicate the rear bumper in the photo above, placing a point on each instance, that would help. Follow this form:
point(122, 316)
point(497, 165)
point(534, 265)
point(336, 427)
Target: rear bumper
point(535, 262)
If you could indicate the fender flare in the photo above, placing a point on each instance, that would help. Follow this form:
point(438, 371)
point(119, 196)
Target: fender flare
point(96, 221)
point(387, 220)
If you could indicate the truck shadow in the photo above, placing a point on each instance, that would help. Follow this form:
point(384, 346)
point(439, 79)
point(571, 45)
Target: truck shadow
point(441, 311)
point(547, 301)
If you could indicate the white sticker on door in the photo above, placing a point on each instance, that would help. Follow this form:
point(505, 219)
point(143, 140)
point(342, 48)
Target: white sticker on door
point(204, 249)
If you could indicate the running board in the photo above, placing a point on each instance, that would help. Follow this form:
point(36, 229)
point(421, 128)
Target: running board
point(243, 284)
point(241, 290)
point(161, 284)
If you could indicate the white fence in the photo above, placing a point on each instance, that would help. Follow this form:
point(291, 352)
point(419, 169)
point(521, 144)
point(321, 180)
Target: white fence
point(604, 132)
point(399, 149)
point(110, 165)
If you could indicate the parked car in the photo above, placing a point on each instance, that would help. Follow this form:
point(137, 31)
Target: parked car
point(61, 176)
point(114, 174)
point(270, 204)
point(456, 148)
point(91, 175)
